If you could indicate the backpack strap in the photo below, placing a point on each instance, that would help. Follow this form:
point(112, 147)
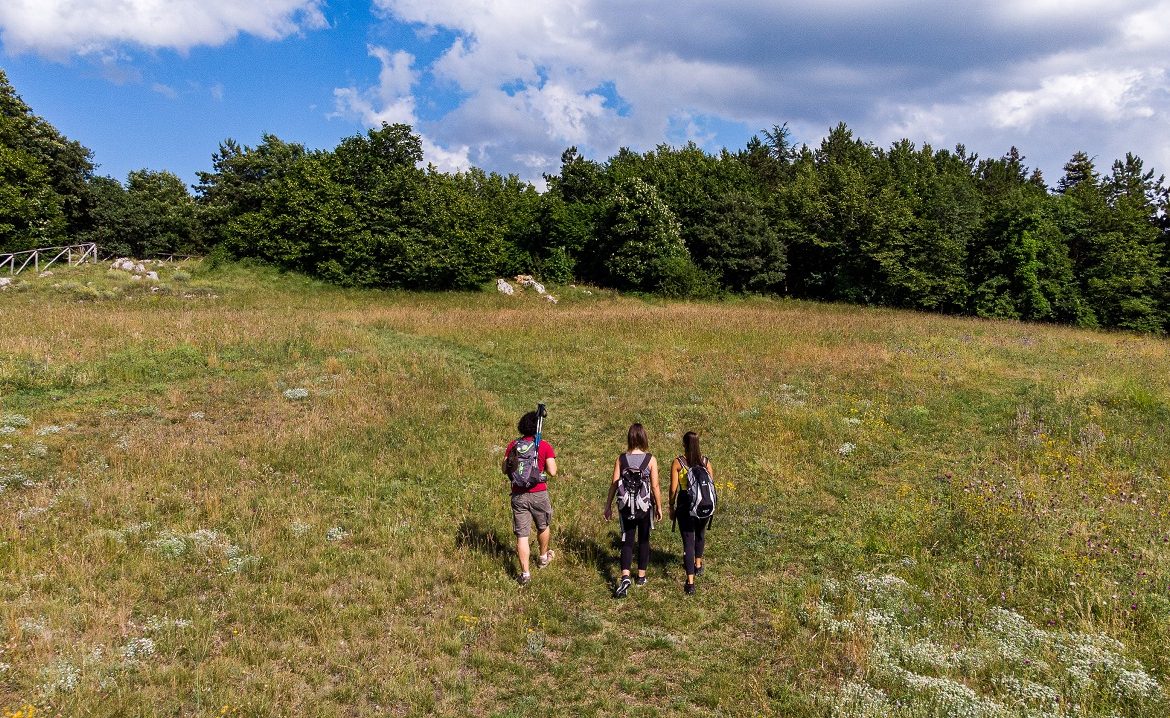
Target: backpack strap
point(645, 461)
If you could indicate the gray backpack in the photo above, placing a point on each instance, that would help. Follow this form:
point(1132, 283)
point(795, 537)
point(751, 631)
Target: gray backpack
point(633, 492)
point(522, 464)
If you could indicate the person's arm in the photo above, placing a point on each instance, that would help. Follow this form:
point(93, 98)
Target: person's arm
point(617, 475)
point(710, 469)
point(655, 487)
point(550, 466)
point(674, 468)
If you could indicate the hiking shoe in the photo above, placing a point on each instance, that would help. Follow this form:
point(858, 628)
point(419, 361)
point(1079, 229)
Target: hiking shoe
point(622, 588)
point(545, 559)
point(689, 588)
point(640, 581)
point(698, 570)
point(524, 579)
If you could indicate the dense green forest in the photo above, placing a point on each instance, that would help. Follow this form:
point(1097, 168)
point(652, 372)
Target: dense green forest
point(905, 226)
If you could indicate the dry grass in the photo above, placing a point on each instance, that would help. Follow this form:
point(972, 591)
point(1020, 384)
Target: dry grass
point(192, 539)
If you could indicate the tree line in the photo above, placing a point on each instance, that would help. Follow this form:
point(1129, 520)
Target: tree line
point(905, 226)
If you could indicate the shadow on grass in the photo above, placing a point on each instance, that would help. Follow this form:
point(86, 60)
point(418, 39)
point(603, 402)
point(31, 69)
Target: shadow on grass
point(605, 555)
point(474, 535)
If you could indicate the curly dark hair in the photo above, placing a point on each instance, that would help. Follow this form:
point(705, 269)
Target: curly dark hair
point(527, 424)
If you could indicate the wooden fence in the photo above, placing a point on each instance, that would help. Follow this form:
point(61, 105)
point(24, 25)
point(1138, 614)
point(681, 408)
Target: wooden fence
point(44, 257)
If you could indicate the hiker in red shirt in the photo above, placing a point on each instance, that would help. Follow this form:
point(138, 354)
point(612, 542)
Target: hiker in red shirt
point(528, 465)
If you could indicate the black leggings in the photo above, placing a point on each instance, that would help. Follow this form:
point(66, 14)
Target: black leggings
point(642, 526)
point(694, 536)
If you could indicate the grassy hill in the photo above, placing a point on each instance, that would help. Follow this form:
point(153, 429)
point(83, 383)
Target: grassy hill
point(249, 494)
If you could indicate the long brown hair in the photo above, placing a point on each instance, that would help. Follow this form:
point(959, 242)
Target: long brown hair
point(691, 447)
point(636, 438)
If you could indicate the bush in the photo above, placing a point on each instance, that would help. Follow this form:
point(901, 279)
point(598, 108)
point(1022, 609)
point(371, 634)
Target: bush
point(556, 266)
point(679, 278)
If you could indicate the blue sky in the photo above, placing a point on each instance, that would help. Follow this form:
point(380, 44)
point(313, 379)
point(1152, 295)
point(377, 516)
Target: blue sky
point(508, 84)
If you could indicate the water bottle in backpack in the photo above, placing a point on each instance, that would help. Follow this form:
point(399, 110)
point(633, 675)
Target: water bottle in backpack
point(633, 491)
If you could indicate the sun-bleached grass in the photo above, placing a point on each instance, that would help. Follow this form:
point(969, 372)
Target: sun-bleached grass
point(252, 494)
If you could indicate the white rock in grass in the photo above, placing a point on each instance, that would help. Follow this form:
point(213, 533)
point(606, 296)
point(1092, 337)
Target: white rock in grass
point(152, 276)
point(4, 282)
point(504, 288)
point(550, 299)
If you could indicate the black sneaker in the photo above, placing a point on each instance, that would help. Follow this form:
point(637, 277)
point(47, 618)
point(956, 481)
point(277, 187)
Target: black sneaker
point(622, 588)
point(640, 581)
point(698, 570)
point(688, 588)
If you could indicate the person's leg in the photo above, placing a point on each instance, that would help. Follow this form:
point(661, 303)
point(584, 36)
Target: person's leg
point(542, 516)
point(523, 552)
point(700, 544)
point(686, 527)
point(521, 526)
point(627, 546)
point(542, 540)
point(643, 546)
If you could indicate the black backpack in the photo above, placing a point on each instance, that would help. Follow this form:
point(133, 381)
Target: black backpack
point(633, 492)
point(700, 498)
point(522, 466)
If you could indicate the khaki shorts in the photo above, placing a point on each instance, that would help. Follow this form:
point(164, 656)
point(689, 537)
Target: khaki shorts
point(528, 509)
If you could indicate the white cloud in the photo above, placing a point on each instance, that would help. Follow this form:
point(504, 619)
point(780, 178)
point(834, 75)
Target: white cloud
point(391, 100)
point(165, 90)
point(1109, 95)
point(1051, 76)
point(59, 28)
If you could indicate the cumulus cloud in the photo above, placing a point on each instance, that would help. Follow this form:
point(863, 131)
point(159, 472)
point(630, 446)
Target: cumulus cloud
point(392, 101)
point(1050, 76)
point(59, 28)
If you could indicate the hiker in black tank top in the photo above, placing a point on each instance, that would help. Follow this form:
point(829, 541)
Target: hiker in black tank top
point(644, 512)
point(694, 531)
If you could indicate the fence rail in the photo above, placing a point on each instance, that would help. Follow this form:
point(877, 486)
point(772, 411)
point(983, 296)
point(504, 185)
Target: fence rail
point(44, 257)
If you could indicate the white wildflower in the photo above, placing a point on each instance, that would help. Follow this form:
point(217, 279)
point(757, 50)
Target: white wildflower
point(61, 677)
point(336, 534)
point(238, 563)
point(37, 626)
point(47, 430)
point(137, 649)
point(206, 539)
point(1137, 684)
point(296, 394)
point(8, 429)
point(197, 415)
point(860, 700)
point(37, 450)
point(299, 528)
point(852, 421)
point(170, 545)
point(846, 449)
point(15, 420)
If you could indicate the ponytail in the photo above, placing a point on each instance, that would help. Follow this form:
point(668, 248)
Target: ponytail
point(691, 448)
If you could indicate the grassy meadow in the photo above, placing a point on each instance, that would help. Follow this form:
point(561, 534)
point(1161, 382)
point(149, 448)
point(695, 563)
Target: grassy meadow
point(241, 493)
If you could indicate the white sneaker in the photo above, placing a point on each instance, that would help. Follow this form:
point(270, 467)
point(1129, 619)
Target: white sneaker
point(545, 559)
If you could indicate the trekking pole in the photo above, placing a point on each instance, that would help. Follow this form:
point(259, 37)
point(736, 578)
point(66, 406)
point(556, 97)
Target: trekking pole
point(541, 412)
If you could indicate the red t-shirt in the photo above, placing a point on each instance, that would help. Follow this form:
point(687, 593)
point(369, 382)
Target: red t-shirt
point(544, 452)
